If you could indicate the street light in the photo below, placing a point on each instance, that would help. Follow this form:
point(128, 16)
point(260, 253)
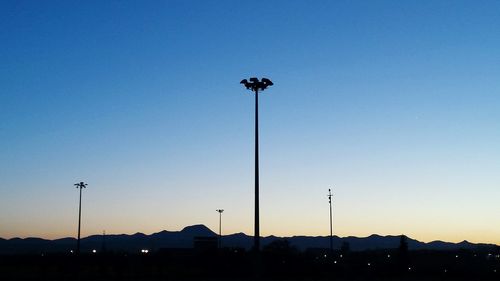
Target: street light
point(255, 86)
point(79, 185)
point(331, 228)
point(220, 224)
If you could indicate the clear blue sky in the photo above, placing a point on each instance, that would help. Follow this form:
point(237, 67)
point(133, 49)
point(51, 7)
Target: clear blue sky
point(394, 104)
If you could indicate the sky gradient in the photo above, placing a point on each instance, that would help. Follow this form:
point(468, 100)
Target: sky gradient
point(395, 105)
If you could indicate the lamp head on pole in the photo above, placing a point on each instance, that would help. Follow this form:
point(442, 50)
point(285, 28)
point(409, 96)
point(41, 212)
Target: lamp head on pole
point(81, 185)
point(220, 211)
point(255, 85)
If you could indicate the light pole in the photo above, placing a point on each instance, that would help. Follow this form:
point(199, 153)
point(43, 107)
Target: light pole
point(255, 86)
point(79, 185)
point(220, 226)
point(331, 228)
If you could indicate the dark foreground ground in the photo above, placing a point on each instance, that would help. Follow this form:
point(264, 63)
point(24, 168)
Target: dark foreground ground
point(236, 264)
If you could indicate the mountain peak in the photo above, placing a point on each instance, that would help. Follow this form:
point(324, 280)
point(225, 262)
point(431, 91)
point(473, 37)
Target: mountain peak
point(198, 230)
point(162, 232)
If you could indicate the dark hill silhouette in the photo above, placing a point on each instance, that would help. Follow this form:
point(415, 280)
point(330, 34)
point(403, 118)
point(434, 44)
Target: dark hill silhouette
point(184, 239)
point(198, 230)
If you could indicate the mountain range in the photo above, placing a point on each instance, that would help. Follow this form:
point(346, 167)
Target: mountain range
point(184, 239)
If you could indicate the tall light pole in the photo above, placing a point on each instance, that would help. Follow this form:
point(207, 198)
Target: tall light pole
point(220, 226)
point(255, 86)
point(79, 185)
point(331, 228)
